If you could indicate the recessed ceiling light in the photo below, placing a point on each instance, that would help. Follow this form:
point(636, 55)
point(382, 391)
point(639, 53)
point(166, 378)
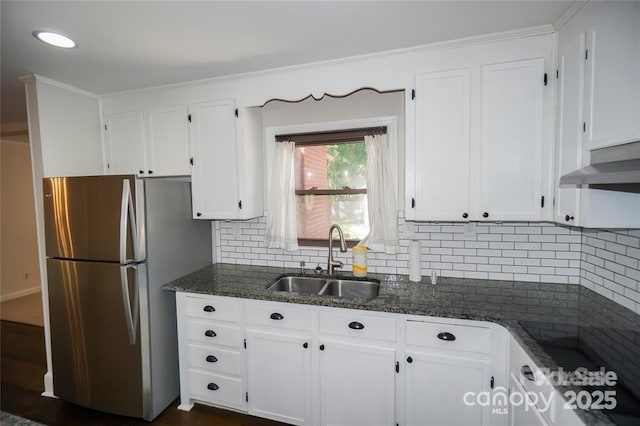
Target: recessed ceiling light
point(54, 39)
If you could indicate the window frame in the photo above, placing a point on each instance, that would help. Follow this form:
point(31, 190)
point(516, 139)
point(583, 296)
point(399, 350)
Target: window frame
point(336, 137)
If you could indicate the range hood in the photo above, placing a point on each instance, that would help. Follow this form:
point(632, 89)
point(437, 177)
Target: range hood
point(616, 168)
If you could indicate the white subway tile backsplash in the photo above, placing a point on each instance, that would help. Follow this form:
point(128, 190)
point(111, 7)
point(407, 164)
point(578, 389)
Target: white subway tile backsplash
point(607, 261)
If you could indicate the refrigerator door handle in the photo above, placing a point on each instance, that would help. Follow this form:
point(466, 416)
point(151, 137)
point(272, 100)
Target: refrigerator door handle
point(127, 217)
point(130, 315)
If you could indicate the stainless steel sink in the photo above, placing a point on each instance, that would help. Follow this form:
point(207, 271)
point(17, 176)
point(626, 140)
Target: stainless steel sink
point(306, 285)
point(334, 287)
point(352, 289)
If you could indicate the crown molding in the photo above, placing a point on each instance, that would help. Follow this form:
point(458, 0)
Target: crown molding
point(569, 13)
point(30, 78)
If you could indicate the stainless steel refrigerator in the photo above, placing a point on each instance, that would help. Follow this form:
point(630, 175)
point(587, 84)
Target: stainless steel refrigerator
point(111, 243)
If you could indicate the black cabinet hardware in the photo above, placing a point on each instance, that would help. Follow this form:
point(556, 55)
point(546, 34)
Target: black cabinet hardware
point(413, 93)
point(542, 202)
point(465, 215)
point(236, 112)
point(276, 316)
point(397, 367)
point(446, 336)
point(189, 118)
point(356, 325)
point(568, 218)
point(409, 359)
point(210, 333)
point(245, 343)
point(209, 308)
point(485, 214)
point(492, 382)
point(211, 358)
point(213, 386)
point(150, 172)
point(322, 347)
point(198, 214)
point(141, 172)
point(240, 205)
point(527, 372)
point(191, 161)
point(305, 345)
point(545, 78)
point(413, 203)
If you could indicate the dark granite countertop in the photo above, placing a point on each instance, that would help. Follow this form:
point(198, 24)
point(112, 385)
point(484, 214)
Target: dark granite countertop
point(532, 312)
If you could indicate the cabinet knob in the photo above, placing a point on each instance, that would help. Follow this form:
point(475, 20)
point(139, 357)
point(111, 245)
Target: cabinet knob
point(211, 358)
point(210, 333)
point(276, 316)
point(527, 372)
point(150, 172)
point(409, 359)
point(465, 215)
point(568, 218)
point(141, 172)
point(209, 308)
point(198, 214)
point(305, 345)
point(446, 336)
point(356, 325)
point(322, 347)
point(485, 214)
point(213, 386)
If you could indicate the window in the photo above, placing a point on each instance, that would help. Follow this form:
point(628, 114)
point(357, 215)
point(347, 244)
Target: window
point(331, 184)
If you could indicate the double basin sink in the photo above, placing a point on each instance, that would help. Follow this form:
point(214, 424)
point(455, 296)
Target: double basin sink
point(327, 286)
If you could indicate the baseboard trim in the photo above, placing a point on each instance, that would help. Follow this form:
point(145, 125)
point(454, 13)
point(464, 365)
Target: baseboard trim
point(20, 293)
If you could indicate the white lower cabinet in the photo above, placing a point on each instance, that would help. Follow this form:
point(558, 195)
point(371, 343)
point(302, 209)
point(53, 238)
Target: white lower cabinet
point(316, 365)
point(444, 390)
point(357, 384)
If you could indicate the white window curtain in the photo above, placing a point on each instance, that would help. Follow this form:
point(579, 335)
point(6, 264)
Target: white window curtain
point(282, 229)
point(381, 196)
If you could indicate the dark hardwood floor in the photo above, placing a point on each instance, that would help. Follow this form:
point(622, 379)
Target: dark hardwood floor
point(22, 371)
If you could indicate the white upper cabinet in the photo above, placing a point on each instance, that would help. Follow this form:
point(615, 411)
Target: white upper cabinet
point(443, 151)
point(511, 141)
point(168, 141)
point(227, 161)
point(598, 104)
point(612, 108)
point(125, 143)
point(150, 142)
point(483, 143)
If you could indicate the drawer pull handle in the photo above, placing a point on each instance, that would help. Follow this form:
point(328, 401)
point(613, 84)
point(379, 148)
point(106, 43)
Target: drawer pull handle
point(209, 308)
point(213, 386)
point(356, 325)
point(527, 372)
point(211, 358)
point(446, 337)
point(210, 333)
point(276, 316)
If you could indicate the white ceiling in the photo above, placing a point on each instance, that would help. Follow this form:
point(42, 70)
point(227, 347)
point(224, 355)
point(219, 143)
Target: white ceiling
point(127, 45)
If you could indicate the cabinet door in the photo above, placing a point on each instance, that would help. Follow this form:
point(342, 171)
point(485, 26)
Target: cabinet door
point(125, 143)
point(442, 145)
point(168, 141)
point(524, 413)
point(569, 125)
point(215, 163)
point(435, 389)
point(357, 384)
point(279, 372)
point(510, 181)
point(612, 107)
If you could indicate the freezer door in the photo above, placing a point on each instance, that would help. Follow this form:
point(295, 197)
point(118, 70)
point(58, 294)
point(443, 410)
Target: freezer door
point(98, 358)
point(86, 218)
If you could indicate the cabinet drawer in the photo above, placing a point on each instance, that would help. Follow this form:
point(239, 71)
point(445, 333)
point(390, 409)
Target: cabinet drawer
point(449, 336)
point(214, 333)
point(216, 389)
point(526, 372)
point(212, 307)
point(214, 359)
point(273, 314)
point(357, 324)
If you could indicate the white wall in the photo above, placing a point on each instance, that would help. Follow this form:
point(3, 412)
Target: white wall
point(19, 254)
